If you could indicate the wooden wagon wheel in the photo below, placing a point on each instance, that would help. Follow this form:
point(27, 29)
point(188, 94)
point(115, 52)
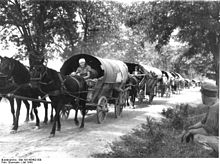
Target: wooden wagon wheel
point(102, 109)
point(65, 111)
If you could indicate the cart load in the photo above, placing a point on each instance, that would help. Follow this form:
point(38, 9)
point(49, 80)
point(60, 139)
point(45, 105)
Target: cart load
point(109, 77)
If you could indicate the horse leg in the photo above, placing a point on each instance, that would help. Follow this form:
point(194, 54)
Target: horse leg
point(51, 114)
point(127, 98)
point(11, 101)
point(76, 114)
point(34, 107)
point(83, 117)
point(58, 107)
point(31, 113)
point(15, 127)
point(133, 100)
point(46, 112)
point(28, 109)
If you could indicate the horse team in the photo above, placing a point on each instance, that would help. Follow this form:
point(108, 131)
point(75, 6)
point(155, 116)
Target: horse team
point(64, 89)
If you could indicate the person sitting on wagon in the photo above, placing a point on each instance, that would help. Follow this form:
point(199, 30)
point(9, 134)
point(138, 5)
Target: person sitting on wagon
point(136, 71)
point(83, 70)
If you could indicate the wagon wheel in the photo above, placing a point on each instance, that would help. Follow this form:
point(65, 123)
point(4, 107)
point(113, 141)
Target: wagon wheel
point(64, 113)
point(102, 109)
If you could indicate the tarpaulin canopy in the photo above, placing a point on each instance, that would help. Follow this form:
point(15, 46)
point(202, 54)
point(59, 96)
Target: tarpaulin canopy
point(168, 74)
point(155, 71)
point(112, 71)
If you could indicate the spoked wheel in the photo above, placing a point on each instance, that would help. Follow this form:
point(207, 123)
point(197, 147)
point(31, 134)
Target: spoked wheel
point(102, 109)
point(64, 113)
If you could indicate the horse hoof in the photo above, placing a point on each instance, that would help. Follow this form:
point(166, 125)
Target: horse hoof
point(76, 123)
point(45, 122)
point(32, 118)
point(13, 131)
point(81, 127)
point(51, 135)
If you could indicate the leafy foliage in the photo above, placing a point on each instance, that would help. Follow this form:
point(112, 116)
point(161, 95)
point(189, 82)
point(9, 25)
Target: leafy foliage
point(154, 140)
point(36, 26)
point(197, 24)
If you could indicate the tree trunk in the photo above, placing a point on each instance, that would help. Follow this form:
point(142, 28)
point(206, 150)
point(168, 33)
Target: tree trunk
point(216, 63)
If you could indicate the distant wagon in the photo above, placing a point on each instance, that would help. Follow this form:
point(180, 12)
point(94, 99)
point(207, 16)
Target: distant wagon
point(148, 78)
point(166, 86)
point(179, 82)
point(107, 86)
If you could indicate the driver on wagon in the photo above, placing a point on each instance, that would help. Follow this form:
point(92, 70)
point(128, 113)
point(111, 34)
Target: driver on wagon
point(83, 69)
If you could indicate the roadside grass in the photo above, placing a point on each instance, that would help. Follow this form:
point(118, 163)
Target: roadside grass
point(160, 139)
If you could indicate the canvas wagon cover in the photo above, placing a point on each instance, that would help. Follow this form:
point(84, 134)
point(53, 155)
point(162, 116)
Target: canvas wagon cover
point(168, 74)
point(153, 70)
point(112, 71)
point(180, 77)
point(131, 68)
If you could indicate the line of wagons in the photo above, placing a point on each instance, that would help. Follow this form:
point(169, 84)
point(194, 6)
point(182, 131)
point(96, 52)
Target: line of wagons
point(109, 83)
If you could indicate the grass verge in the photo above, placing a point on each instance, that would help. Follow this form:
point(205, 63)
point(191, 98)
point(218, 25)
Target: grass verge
point(158, 140)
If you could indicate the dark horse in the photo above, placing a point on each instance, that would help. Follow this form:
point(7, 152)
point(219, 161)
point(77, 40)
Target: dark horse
point(21, 87)
point(133, 85)
point(63, 90)
point(7, 85)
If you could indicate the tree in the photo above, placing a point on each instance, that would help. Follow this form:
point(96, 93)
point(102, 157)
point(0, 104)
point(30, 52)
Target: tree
point(38, 27)
point(33, 25)
point(198, 24)
point(97, 22)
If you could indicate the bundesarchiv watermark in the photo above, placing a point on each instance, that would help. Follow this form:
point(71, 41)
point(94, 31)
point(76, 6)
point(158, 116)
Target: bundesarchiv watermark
point(20, 160)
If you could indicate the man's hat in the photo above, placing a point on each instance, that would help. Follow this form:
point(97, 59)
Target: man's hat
point(209, 89)
point(82, 60)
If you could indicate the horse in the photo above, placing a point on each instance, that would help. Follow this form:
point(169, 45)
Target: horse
point(133, 85)
point(22, 87)
point(6, 86)
point(69, 89)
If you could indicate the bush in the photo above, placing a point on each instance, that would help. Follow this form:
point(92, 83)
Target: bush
point(160, 139)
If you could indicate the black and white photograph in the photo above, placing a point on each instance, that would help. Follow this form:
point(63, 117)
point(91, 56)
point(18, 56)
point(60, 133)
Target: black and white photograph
point(109, 79)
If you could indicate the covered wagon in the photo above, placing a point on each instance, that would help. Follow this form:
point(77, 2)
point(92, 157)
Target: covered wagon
point(107, 85)
point(148, 77)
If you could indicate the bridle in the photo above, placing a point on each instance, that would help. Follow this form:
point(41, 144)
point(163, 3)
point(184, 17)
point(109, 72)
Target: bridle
point(44, 74)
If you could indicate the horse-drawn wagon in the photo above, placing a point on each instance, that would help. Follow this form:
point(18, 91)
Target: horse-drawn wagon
point(165, 83)
point(152, 79)
point(107, 84)
point(148, 78)
point(178, 82)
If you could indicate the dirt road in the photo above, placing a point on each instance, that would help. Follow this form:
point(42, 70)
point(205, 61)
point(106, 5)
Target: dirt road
point(72, 142)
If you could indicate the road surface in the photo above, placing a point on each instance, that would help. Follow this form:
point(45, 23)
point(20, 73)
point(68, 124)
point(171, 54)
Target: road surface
point(71, 142)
